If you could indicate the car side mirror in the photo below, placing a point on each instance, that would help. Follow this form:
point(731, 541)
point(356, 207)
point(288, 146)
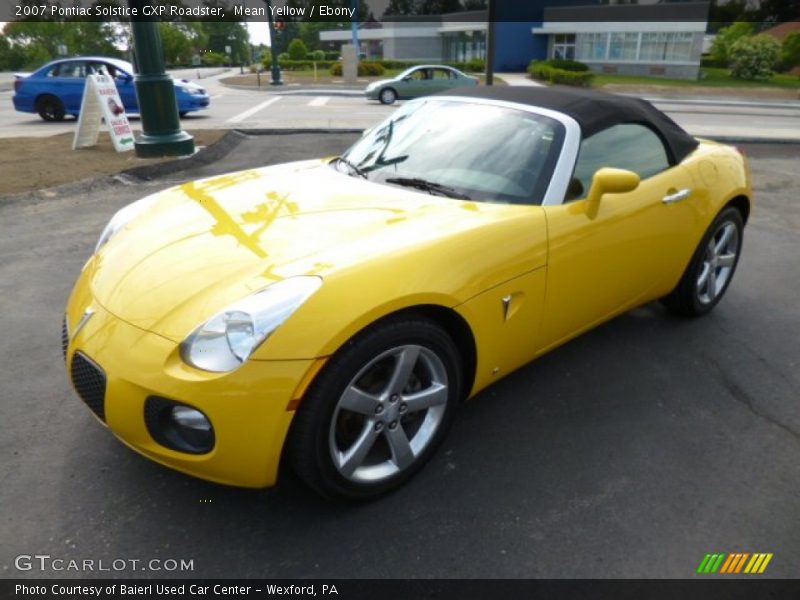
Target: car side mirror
point(609, 181)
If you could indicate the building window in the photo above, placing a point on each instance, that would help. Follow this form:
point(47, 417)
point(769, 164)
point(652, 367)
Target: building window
point(661, 47)
point(630, 46)
point(592, 46)
point(564, 46)
point(623, 46)
point(464, 46)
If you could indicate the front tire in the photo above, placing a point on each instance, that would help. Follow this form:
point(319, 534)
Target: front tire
point(712, 267)
point(387, 96)
point(50, 108)
point(378, 410)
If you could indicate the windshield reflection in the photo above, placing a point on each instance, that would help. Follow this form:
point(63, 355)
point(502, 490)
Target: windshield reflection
point(462, 150)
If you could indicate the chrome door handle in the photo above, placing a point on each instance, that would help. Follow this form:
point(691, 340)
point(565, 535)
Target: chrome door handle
point(677, 196)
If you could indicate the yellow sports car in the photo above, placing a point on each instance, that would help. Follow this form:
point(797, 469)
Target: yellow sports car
point(330, 315)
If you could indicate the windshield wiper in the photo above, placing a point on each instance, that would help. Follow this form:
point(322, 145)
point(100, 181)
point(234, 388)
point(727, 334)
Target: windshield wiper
point(354, 168)
point(428, 186)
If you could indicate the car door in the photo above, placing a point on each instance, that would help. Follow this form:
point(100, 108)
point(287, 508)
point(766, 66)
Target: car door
point(67, 82)
point(414, 84)
point(632, 250)
point(442, 80)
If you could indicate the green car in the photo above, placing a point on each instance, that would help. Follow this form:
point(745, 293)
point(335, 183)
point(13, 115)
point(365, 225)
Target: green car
point(418, 81)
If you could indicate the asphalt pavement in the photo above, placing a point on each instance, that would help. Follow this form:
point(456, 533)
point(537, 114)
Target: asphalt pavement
point(630, 452)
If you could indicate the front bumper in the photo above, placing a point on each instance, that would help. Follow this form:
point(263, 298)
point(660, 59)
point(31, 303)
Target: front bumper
point(247, 408)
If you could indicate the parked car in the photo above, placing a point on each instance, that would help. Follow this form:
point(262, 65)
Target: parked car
point(334, 313)
point(56, 89)
point(415, 82)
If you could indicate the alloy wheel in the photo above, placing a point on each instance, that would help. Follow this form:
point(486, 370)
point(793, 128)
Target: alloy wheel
point(388, 414)
point(718, 262)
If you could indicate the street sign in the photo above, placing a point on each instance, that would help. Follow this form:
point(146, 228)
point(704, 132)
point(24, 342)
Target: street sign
point(101, 102)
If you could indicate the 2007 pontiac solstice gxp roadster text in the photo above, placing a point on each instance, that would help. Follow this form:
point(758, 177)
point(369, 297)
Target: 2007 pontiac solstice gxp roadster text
point(335, 312)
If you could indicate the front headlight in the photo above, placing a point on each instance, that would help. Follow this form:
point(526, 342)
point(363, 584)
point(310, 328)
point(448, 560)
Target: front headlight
point(228, 338)
point(122, 217)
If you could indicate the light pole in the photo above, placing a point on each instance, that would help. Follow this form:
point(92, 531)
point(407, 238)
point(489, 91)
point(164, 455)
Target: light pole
point(158, 107)
point(490, 31)
point(276, 69)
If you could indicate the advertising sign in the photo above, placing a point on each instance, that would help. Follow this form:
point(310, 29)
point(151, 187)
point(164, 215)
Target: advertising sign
point(101, 102)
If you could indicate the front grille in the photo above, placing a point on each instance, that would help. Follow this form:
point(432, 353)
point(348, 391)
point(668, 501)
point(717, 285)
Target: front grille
point(90, 383)
point(64, 337)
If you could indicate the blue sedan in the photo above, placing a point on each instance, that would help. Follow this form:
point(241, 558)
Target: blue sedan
point(56, 89)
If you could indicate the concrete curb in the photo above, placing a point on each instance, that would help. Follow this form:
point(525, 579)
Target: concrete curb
point(205, 156)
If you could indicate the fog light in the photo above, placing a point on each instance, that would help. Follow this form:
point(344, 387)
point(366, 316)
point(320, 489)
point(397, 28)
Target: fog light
point(178, 426)
point(190, 418)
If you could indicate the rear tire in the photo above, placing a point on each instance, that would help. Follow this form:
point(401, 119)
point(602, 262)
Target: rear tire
point(711, 269)
point(378, 410)
point(50, 108)
point(387, 96)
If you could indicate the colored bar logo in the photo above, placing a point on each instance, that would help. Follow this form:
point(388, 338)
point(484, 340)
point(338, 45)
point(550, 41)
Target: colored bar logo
point(735, 563)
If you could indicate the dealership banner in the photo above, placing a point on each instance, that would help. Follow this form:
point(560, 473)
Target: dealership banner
point(391, 589)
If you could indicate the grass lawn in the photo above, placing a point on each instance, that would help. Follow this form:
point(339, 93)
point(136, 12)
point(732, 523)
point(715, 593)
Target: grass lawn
point(708, 78)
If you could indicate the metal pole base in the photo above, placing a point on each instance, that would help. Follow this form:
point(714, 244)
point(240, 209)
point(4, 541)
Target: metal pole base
point(154, 146)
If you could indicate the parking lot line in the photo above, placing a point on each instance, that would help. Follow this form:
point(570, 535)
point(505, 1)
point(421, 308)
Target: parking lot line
point(320, 101)
point(251, 111)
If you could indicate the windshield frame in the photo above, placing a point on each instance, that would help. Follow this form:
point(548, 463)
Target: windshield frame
point(555, 191)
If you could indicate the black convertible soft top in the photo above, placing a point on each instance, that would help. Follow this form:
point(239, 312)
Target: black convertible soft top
point(594, 111)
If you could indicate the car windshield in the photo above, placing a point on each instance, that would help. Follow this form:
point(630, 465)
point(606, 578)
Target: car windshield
point(462, 150)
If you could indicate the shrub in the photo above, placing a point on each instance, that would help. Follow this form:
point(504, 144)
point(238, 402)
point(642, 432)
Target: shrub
point(214, 59)
point(284, 56)
point(566, 64)
point(317, 55)
point(754, 58)
point(365, 69)
point(332, 56)
point(790, 51)
point(544, 71)
point(726, 38)
point(297, 49)
point(713, 63)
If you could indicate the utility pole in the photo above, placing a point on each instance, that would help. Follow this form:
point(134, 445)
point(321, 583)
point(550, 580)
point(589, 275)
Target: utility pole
point(158, 108)
point(490, 35)
point(273, 47)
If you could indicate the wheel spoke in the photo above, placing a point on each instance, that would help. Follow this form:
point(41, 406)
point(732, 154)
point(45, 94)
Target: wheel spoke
point(406, 359)
point(712, 284)
point(703, 279)
point(358, 401)
point(402, 454)
point(355, 455)
point(727, 233)
point(432, 396)
point(726, 260)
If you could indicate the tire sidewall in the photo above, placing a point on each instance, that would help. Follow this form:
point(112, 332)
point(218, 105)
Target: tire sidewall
point(319, 405)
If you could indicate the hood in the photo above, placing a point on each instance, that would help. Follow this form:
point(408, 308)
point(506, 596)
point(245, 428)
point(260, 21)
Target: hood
point(208, 243)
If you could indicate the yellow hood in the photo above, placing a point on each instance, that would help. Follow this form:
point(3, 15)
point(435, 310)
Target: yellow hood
point(208, 243)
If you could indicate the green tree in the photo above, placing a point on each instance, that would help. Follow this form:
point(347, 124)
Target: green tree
point(790, 51)
point(297, 49)
point(727, 37)
point(181, 41)
point(754, 57)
